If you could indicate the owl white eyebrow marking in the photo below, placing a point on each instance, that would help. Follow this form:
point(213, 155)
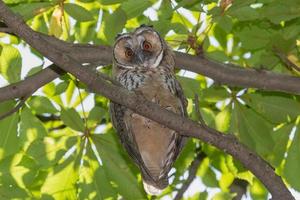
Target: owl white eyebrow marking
point(125, 35)
point(158, 60)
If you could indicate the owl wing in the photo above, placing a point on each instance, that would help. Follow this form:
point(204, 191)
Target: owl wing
point(117, 112)
point(178, 140)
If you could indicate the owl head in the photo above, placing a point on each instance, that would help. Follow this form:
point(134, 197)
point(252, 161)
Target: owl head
point(142, 48)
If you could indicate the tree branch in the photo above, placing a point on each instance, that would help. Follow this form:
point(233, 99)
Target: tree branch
point(239, 187)
point(222, 73)
point(30, 84)
point(192, 174)
point(16, 108)
point(141, 106)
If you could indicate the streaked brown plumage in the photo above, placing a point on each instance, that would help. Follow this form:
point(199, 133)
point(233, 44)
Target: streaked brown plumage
point(144, 63)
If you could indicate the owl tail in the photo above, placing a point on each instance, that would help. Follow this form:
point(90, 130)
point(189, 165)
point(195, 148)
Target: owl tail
point(155, 187)
point(152, 190)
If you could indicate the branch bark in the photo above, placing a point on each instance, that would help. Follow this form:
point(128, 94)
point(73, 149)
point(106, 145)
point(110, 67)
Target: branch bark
point(222, 73)
point(140, 105)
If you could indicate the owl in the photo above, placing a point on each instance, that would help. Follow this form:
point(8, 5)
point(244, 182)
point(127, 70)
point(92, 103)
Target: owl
point(143, 63)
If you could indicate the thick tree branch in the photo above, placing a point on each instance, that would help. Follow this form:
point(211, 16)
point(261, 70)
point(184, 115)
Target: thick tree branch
point(222, 73)
point(140, 105)
point(30, 84)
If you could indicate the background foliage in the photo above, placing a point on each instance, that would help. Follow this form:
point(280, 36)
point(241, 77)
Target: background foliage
point(61, 144)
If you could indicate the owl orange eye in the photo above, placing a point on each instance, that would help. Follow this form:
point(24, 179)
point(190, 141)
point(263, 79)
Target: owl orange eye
point(147, 45)
point(128, 53)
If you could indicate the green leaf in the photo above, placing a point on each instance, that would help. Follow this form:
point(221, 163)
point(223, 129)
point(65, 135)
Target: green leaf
point(96, 115)
point(243, 13)
point(8, 131)
point(281, 11)
point(254, 37)
point(191, 86)
point(29, 10)
point(72, 119)
point(116, 168)
point(41, 105)
point(258, 191)
point(208, 176)
point(10, 63)
point(134, 9)
point(252, 129)
point(291, 168)
point(281, 136)
point(34, 70)
point(61, 184)
point(223, 120)
point(79, 13)
point(225, 23)
point(70, 92)
point(31, 127)
point(110, 2)
point(93, 180)
point(61, 87)
point(277, 108)
point(85, 32)
point(223, 196)
point(214, 94)
point(118, 19)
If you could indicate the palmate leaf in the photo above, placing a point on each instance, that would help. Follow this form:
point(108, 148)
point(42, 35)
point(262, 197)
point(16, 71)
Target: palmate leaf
point(252, 129)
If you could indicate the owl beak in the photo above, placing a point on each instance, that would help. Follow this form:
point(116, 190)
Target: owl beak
point(140, 58)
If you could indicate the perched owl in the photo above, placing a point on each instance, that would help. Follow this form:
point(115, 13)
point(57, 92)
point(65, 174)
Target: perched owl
point(144, 63)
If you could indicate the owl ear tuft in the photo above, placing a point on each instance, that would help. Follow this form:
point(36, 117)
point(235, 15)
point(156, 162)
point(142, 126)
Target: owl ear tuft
point(118, 35)
point(144, 25)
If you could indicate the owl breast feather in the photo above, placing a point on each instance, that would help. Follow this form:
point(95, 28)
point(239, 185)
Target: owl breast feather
point(152, 79)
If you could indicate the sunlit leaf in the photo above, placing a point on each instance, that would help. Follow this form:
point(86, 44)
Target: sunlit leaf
point(10, 63)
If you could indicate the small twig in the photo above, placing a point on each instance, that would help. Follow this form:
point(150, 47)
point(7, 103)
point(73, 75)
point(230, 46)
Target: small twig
point(192, 174)
point(62, 126)
point(283, 57)
point(239, 187)
point(6, 30)
point(198, 113)
point(82, 107)
point(48, 118)
point(16, 108)
point(108, 78)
